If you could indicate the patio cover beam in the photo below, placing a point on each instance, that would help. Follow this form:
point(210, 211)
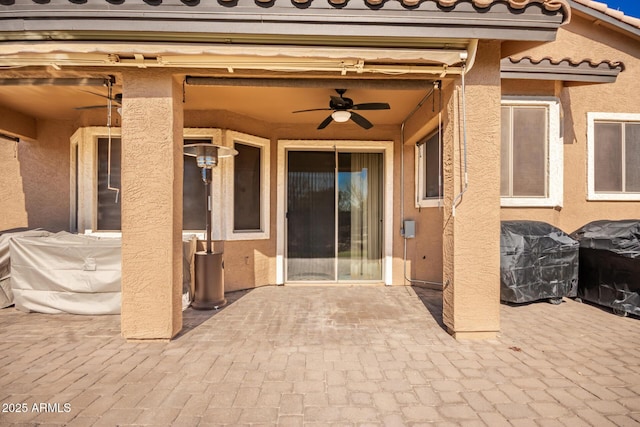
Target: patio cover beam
point(390, 84)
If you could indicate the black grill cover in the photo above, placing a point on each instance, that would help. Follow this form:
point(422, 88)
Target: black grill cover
point(537, 261)
point(610, 264)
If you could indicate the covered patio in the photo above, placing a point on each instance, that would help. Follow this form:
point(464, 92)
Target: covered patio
point(157, 73)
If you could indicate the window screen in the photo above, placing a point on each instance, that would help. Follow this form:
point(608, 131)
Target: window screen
point(632, 157)
point(194, 202)
point(246, 188)
point(432, 161)
point(524, 151)
point(608, 157)
point(616, 157)
point(108, 208)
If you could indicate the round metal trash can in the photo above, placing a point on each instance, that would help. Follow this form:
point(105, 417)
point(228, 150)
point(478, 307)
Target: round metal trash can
point(209, 283)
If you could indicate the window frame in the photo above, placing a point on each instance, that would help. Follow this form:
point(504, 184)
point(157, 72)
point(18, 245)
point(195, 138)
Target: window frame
point(554, 154)
point(420, 173)
point(230, 138)
point(592, 118)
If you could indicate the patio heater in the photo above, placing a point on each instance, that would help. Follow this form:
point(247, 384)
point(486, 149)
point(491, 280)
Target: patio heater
point(209, 265)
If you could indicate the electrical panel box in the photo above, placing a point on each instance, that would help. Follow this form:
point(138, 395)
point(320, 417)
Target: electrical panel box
point(409, 229)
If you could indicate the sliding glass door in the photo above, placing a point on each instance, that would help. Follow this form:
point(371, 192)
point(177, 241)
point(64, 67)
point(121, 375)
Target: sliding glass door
point(334, 216)
point(311, 244)
point(360, 190)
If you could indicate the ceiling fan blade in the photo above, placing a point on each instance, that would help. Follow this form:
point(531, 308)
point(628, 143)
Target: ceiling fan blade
point(116, 98)
point(96, 94)
point(326, 122)
point(92, 107)
point(313, 109)
point(361, 121)
point(372, 106)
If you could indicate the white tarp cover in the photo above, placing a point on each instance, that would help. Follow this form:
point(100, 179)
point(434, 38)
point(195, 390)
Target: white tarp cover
point(70, 273)
point(66, 273)
point(6, 295)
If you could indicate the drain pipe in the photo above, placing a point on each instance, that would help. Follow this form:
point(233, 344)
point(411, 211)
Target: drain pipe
point(436, 85)
point(468, 58)
point(464, 143)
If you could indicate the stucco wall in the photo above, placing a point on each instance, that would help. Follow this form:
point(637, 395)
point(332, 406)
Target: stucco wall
point(424, 252)
point(471, 261)
point(35, 179)
point(16, 124)
point(152, 170)
point(583, 40)
point(12, 191)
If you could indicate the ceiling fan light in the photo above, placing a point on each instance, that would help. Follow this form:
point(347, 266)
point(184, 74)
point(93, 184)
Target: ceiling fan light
point(341, 116)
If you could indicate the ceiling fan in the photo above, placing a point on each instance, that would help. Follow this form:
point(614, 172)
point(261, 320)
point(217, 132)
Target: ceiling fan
point(117, 101)
point(344, 109)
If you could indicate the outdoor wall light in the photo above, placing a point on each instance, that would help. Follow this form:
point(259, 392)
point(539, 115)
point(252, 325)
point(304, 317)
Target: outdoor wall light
point(341, 116)
point(209, 266)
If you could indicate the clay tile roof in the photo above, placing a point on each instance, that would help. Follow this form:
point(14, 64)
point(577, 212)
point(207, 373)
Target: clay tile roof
point(585, 70)
point(616, 14)
point(570, 62)
point(548, 5)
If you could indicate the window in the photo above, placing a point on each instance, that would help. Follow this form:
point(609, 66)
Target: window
point(95, 182)
point(530, 152)
point(429, 171)
point(613, 142)
point(108, 203)
point(108, 209)
point(247, 187)
point(193, 192)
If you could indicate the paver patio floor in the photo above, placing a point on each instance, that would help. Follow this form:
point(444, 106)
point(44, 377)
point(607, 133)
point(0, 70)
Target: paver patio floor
point(325, 356)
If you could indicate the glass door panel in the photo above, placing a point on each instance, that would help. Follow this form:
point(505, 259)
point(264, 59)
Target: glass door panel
point(311, 217)
point(360, 221)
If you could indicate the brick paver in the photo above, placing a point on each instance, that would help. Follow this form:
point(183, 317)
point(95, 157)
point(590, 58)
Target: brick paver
point(305, 356)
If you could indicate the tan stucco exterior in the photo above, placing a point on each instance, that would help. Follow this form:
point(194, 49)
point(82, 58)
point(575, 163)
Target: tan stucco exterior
point(37, 173)
point(457, 243)
point(12, 192)
point(573, 41)
point(471, 187)
point(151, 206)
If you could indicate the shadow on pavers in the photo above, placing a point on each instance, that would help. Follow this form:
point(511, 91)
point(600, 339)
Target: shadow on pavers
point(192, 318)
point(432, 300)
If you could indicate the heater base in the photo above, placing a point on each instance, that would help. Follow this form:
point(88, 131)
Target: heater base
point(209, 283)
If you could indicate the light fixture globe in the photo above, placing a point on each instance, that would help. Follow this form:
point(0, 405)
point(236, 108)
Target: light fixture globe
point(341, 116)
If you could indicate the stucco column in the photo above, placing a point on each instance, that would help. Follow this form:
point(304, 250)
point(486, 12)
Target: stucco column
point(152, 127)
point(471, 249)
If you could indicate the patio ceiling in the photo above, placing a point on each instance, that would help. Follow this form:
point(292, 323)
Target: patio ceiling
point(363, 40)
point(269, 104)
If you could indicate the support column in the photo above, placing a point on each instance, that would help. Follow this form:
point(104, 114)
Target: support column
point(471, 247)
point(152, 167)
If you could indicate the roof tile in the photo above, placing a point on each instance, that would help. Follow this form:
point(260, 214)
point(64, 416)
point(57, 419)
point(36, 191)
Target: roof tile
point(549, 5)
point(569, 62)
point(567, 69)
